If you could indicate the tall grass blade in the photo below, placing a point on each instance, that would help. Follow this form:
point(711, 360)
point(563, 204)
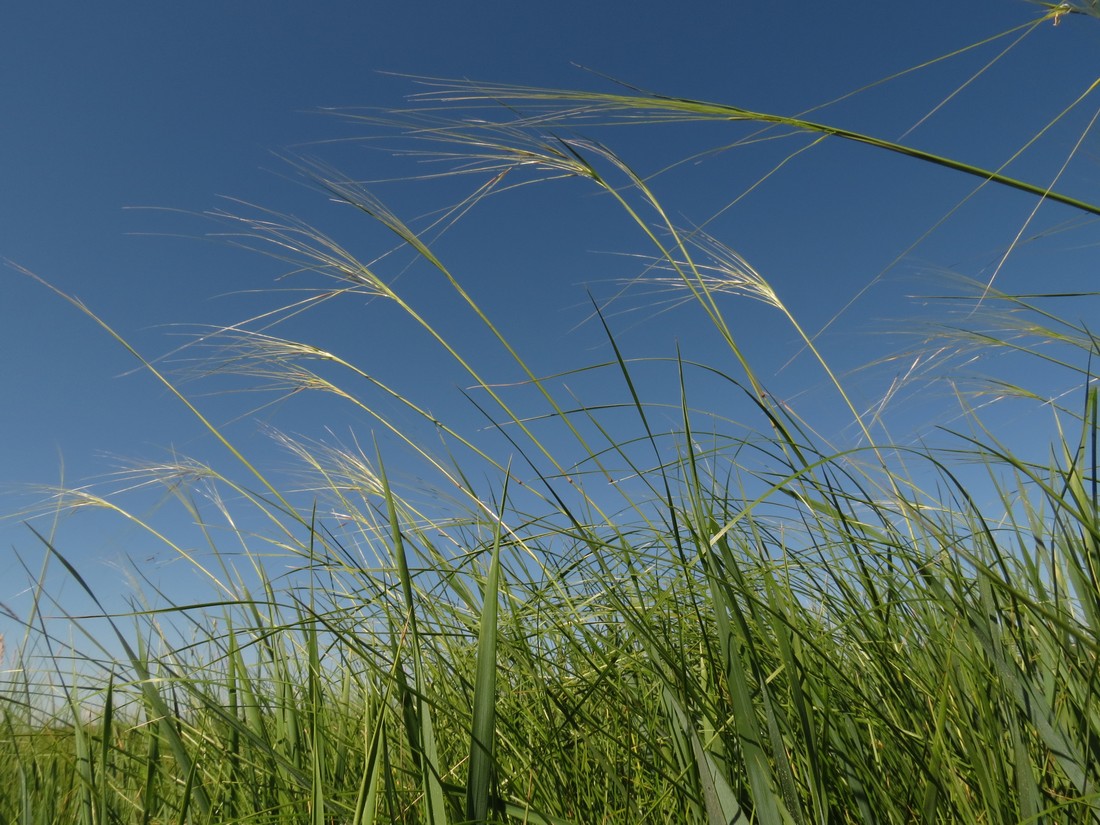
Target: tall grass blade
point(483, 734)
point(163, 714)
point(722, 807)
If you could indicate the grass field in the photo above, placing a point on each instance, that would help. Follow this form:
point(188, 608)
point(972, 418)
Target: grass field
point(755, 627)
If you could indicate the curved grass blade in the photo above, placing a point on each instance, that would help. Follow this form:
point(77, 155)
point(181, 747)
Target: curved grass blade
point(666, 108)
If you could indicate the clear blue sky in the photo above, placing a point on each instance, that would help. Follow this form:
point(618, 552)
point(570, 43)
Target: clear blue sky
point(106, 107)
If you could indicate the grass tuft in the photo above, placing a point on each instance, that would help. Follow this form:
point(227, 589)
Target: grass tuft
point(710, 620)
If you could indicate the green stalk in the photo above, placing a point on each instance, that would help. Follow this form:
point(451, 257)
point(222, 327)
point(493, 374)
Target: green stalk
point(483, 730)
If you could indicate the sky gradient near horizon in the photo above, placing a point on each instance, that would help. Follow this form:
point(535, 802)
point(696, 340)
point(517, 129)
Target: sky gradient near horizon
point(124, 125)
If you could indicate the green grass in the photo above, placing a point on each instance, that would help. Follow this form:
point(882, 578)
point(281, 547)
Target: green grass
point(752, 627)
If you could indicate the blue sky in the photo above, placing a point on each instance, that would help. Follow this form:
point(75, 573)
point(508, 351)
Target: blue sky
point(123, 123)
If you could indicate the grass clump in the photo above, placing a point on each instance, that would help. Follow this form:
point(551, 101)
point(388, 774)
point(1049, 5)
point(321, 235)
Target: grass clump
point(747, 625)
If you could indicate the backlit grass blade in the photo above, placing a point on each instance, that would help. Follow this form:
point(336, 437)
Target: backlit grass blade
point(150, 693)
point(417, 710)
point(483, 735)
point(86, 779)
point(366, 801)
point(656, 108)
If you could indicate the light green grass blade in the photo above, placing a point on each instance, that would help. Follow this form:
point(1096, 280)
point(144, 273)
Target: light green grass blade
point(366, 802)
point(161, 710)
point(483, 736)
point(650, 107)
